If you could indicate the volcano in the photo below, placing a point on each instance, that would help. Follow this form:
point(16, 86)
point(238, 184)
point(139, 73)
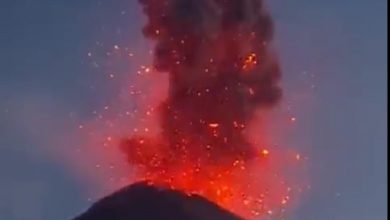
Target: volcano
point(223, 77)
point(142, 201)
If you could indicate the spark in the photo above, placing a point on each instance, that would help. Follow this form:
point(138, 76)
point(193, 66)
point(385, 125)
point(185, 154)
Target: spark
point(250, 61)
point(251, 91)
point(213, 125)
point(265, 152)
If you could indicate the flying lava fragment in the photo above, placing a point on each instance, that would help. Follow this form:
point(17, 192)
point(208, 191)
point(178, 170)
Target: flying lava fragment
point(221, 71)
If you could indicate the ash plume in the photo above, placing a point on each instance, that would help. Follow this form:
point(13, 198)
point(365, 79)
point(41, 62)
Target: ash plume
point(220, 68)
point(221, 71)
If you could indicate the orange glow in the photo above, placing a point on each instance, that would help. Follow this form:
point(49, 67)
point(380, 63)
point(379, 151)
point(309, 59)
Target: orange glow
point(250, 62)
point(265, 152)
point(249, 188)
point(252, 188)
point(214, 125)
point(235, 186)
point(198, 150)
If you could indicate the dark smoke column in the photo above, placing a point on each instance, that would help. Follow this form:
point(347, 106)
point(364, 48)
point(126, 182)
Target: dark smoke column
point(221, 71)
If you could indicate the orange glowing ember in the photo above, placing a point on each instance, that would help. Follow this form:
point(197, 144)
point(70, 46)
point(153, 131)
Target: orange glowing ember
point(214, 125)
point(265, 152)
point(250, 62)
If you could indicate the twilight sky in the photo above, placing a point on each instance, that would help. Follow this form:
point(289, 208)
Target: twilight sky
point(334, 57)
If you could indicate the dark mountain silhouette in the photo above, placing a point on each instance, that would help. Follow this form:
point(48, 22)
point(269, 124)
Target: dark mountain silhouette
point(144, 202)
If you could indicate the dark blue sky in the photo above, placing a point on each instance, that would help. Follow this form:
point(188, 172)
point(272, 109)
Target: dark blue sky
point(340, 47)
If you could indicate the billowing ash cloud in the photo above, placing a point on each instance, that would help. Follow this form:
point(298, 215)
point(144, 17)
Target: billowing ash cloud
point(216, 53)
